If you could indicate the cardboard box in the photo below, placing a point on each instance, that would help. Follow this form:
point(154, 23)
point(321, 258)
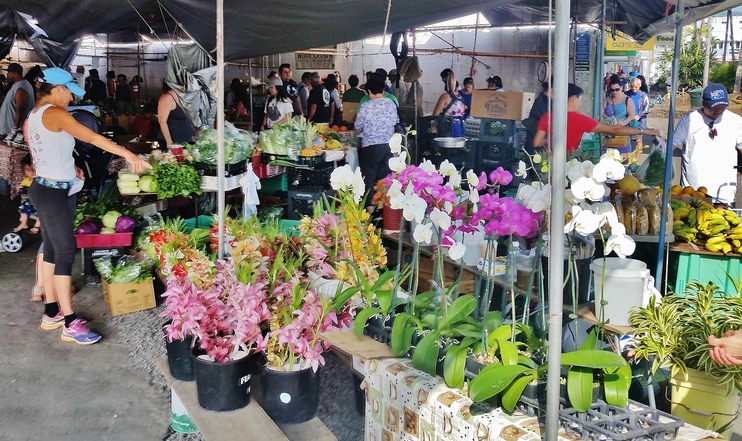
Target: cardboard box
point(349, 111)
point(123, 298)
point(501, 105)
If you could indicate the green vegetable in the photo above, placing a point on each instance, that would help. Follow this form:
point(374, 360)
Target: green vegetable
point(126, 270)
point(238, 145)
point(148, 184)
point(107, 230)
point(109, 219)
point(176, 180)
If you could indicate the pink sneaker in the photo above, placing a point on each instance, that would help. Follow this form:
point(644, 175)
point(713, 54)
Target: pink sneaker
point(78, 333)
point(56, 322)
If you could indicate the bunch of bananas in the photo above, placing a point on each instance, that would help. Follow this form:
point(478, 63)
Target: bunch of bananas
point(717, 229)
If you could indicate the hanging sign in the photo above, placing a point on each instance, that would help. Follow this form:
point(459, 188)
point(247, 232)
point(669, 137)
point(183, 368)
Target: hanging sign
point(582, 52)
point(623, 42)
point(314, 61)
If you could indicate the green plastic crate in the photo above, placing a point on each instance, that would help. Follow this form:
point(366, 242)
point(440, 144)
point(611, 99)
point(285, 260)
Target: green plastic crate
point(685, 267)
point(289, 227)
point(203, 222)
point(591, 149)
point(270, 186)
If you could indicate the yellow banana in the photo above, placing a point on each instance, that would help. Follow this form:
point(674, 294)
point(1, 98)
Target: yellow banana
point(734, 236)
point(738, 250)
point(737, 243)
point(702, 215)
point(716, 239)
point(726, 247)
point(681, 213)
point(718, 229)
point(713, 247)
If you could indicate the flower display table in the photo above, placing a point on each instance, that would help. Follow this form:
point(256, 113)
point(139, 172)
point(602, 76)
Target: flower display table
point(10, 166)
point(244, 423)
point(403, 403)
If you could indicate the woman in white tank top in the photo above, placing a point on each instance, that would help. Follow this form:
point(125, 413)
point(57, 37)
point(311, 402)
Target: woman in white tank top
point(51, 132)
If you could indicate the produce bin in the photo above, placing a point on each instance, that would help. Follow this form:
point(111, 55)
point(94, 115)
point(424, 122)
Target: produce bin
point(88, 255)
point(103, 240)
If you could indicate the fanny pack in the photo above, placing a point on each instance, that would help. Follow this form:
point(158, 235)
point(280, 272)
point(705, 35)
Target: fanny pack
point(57, 185)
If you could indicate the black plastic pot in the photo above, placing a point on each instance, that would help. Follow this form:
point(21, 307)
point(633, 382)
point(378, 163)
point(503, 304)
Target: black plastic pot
point(472, 367)
point(582, 275)
point(379, 329)
point(288, 397)
point(179, 358)
point(222, 387)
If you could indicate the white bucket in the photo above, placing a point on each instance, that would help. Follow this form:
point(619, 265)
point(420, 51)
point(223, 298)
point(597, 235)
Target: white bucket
point(473, 243)
point(624, 286)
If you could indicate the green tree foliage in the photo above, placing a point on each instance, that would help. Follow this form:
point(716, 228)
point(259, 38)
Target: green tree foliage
point(724, 73)
point(692, 54)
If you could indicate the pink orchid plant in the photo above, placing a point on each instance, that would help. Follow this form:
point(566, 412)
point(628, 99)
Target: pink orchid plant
point(256, 300)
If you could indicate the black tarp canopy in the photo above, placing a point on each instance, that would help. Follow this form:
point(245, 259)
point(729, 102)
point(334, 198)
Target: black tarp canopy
point(261, 27)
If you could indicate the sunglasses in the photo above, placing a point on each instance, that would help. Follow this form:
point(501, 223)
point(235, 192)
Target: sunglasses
point(712, 130)
point(615, 90)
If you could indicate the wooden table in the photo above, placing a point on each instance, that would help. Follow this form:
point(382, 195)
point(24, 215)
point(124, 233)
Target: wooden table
point(241, 424)
point(10, 166)
point(354, 352)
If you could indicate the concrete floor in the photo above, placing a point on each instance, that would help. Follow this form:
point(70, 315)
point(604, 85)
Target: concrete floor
point(50, 389)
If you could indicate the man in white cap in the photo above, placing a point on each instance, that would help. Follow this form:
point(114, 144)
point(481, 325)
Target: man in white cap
point(709, 139)
point(399, 87)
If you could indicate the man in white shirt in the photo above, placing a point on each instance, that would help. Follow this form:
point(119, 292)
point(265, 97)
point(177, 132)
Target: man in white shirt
point(399, 87)
point(709, 139)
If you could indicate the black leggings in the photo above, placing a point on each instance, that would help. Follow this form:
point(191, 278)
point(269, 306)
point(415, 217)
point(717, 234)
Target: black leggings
point(57, 216)
point(374, 163)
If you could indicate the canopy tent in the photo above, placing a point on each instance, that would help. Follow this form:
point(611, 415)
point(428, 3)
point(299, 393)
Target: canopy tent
point(280, 26)
point(641, 19)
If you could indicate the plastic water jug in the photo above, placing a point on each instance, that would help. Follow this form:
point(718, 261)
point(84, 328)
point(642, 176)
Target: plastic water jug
point(623, 287)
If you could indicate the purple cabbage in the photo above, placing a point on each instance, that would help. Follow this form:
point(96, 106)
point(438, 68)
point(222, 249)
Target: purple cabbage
point(88, 227)
point(125, 224)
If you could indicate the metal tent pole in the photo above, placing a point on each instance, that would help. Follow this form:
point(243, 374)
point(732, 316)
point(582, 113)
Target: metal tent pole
point(598, 94)
point(670, 128)
point(556, 227)
point(220, 120)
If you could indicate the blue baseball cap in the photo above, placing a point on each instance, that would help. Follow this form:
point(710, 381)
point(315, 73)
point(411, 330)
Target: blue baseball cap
point(60, 77)
point(715, 95)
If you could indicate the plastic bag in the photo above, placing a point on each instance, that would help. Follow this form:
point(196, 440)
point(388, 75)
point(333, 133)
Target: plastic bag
point(652, 171)
point(126, 270)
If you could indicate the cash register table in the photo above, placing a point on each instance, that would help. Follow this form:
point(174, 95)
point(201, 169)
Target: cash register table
point(10, 166)
point(403, 403)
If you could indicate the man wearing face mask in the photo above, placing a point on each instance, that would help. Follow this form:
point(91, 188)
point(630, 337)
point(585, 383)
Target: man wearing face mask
point(709, 139)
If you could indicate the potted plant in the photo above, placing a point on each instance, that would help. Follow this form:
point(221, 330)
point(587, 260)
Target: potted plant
point(672, 333)
point(288, 389)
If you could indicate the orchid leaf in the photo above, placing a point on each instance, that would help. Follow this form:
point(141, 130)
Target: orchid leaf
point(467, 330)
point(532, 341)
point(387, 276)
point(512, 393)
point(591, 342)
point(361, 319)
point(508, 353)
point(527, 361)
point(616, 386)
point(426, 352)
point(580, 387)
point(459, 309)
point(384, 297)
point(493, 320)
point(344, 296)
point(453, 366)
point(593, 358)
point(492, 380)
point(501, 333)
point(402, 333)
